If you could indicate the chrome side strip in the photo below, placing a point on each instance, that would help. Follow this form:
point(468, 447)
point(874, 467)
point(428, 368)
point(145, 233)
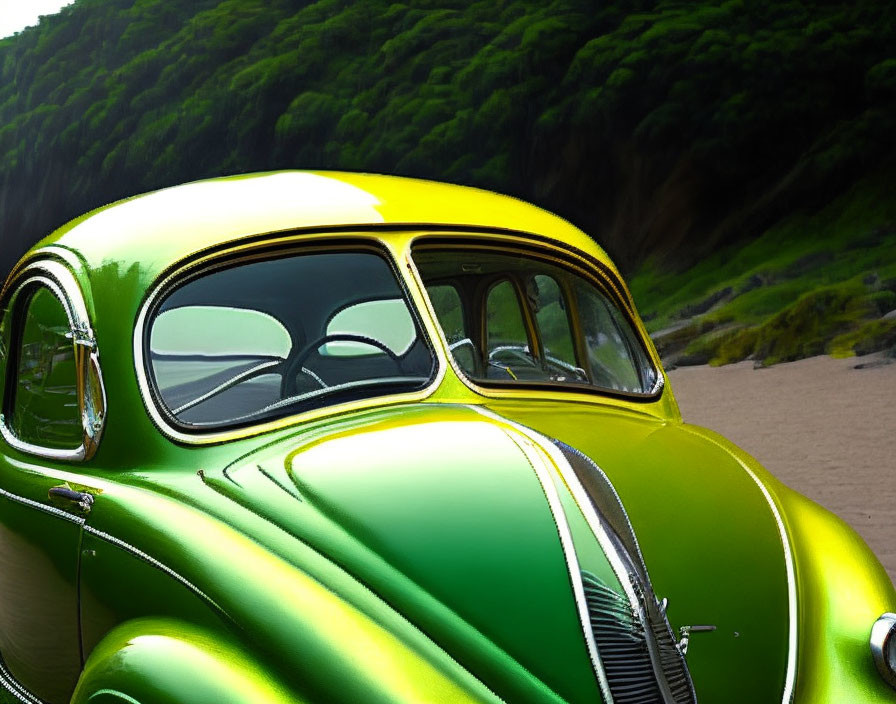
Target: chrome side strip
point(541, 469)
point(152, 562)
point(11, 685)
point(7, 681)
point(790, 678)
point(52, 510)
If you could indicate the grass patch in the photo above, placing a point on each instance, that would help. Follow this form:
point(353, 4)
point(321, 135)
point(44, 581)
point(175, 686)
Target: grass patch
point(788, 294)
point(873, 336)
point(805, 328)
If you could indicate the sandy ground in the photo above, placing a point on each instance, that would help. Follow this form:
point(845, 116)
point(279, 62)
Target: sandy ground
point(823, 427)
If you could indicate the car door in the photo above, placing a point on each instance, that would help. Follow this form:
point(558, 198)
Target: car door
point(42, 509)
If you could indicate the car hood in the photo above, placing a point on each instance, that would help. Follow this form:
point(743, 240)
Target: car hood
point(439, 511)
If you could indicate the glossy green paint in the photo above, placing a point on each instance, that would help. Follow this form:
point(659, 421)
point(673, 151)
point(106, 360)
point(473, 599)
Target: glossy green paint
point(446, 520)
point(708, 537)
point(403, 552)
point(166, 661)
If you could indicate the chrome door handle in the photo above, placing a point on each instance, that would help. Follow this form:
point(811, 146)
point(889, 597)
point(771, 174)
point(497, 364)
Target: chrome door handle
point(83, 500)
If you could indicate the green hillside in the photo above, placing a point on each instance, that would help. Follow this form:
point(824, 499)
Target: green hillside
point(672, 131)
point(817, 283)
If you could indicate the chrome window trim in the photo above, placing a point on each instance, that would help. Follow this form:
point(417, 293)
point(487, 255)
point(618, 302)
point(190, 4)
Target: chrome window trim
point(276, 244)
point(550, 247)
point(62, 284)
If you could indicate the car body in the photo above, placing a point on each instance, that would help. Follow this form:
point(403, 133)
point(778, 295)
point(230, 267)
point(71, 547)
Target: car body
point(331, 437)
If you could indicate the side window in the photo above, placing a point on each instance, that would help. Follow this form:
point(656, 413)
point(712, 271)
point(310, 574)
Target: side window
point(506, 338)
point(613, 352)
point(553, 322)
point(42, 379)
point(449, 311)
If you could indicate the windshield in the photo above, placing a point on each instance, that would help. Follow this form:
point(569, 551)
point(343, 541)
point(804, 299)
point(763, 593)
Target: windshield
point(264, 339)
point(517, 319)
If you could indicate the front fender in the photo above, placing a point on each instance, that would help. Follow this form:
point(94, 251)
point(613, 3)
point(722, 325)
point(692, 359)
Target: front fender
point(163, 661)
point(842, 590)
point(300, 615)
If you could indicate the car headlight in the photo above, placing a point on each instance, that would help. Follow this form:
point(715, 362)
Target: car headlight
point(883, 647)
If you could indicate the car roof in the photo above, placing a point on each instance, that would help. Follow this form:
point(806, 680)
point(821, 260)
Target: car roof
point(158, 229)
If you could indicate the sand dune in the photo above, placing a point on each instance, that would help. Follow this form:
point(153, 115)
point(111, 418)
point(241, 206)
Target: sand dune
point(823, 427)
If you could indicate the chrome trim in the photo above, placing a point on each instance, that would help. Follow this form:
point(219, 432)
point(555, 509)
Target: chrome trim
point(243, 250)
point(65, 254)
point(79, 454)
point(152, 562)
point(7, 680)
point(46, 508)
point(91, 388)
point(11, 685)
point(582, 499)
point(883, 636)
point(542, 472)
point(685, 635)
point(790, 677)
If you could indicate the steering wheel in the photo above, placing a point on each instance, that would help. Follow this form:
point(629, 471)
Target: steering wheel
point(561, 371)
point(519, 352)
point(294, 361)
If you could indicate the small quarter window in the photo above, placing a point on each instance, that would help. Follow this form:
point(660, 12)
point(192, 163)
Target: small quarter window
point(553, 324)
point(614, 355)
point(449, 310)
point(506, 337)
point(42, 391)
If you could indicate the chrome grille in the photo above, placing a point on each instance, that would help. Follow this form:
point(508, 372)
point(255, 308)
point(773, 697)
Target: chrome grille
point(634, 639)
point(621, 644)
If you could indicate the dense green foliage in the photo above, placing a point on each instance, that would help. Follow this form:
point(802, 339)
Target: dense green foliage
point(667, 129)
point(654, 124)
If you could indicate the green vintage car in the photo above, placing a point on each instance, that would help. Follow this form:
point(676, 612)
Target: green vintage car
point(323, 437)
